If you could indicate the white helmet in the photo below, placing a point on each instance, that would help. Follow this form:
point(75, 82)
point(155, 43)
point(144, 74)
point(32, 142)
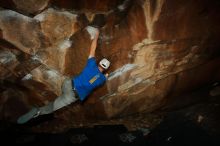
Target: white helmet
point(104, 63)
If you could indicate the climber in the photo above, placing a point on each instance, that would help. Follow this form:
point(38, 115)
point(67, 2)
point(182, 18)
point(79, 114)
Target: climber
point(75, 88)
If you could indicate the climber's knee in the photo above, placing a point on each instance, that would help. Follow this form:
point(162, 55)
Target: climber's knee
point(67, 86)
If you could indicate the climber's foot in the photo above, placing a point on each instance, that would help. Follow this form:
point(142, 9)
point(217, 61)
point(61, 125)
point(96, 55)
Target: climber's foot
point(33, 113)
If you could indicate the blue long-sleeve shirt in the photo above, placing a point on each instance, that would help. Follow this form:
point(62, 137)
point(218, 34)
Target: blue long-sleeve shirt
point(89, 79)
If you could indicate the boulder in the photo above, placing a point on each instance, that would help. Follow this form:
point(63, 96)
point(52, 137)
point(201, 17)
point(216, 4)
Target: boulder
point(158, 50)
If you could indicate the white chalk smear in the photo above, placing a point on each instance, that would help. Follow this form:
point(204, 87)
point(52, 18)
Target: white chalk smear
point(92, 31)
point(69, 15)
point(123, 6)
point(7, 14)
point(52, 74)
point(6, 57)
point(130, 83)
point(65, 44)
point(27, 77)
point(36, 58)
point(40, 17)
point(121, 70)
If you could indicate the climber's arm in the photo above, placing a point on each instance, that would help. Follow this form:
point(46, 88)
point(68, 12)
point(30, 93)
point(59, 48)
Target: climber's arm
point(106, 75)
point(94, 45)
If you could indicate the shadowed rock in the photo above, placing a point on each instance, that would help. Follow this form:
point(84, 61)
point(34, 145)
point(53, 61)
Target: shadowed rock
point(158, 50)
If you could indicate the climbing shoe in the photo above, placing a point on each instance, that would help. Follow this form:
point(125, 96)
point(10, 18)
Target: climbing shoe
point(33, 113)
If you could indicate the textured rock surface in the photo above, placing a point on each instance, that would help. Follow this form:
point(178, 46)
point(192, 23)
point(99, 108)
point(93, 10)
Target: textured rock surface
point(25, 6)
point(158, 50)
point(30, 6)
point(21, 31)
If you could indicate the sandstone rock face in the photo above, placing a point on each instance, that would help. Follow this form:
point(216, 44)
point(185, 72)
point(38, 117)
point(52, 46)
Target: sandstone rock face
point(159, 49)
point(57, 25)
point(25, 6)
point(21, 31)
point(30, 6)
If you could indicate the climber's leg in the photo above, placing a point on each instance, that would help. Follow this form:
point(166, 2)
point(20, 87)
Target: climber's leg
point(67, 97)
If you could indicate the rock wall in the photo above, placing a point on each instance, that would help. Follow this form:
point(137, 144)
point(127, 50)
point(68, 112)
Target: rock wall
point(159, 49)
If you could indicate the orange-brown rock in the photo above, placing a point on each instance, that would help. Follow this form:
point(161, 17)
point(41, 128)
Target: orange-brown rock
point(30, 6)
point(21, 31)
point(58, 25)
point(25, 6)
point(159, 49)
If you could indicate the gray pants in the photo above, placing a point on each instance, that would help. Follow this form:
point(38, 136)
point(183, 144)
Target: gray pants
point(67, 97)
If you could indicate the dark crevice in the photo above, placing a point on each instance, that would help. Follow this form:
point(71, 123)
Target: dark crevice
point(6, 44)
